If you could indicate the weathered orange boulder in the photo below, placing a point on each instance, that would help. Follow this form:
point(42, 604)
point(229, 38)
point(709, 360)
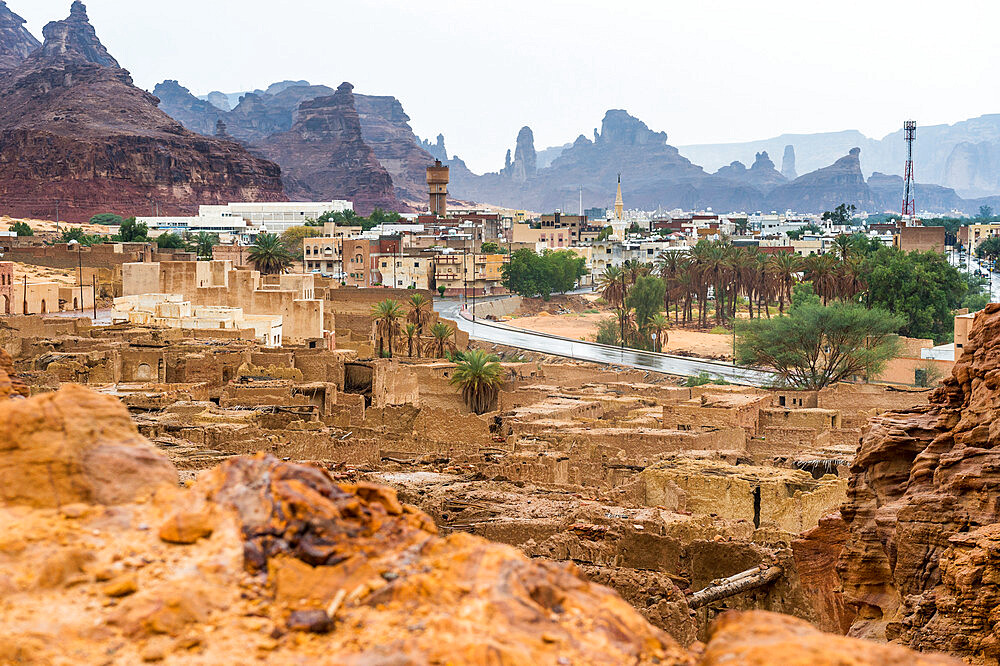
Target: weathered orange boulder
point(760, 638)
point(75, 445)
point(10, 384)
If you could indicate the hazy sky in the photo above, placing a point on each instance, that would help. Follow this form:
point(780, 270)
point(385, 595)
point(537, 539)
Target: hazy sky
point(704, 71)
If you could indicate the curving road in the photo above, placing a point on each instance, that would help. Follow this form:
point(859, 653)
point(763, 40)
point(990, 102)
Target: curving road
point(488, 331)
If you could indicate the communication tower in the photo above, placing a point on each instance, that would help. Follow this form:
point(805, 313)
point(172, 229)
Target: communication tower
point(909, 185)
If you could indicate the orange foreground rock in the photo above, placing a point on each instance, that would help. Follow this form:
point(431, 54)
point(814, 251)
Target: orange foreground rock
point(103, 559)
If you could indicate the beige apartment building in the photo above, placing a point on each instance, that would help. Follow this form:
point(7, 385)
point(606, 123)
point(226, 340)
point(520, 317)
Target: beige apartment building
point(325, 255)
point(407, 272)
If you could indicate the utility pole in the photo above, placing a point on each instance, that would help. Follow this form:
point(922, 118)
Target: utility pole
point(79, 255)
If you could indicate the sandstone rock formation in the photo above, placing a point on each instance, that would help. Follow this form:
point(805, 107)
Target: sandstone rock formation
point(324, 155)
point(437, 149)
point(16, 43)
point(197, 115)
point(826, 188)
point(75, 132)
point(525, 162)
point(762, 176)
point(265, 560)
point(386, 128)
point(788, 163)
point(921, 564)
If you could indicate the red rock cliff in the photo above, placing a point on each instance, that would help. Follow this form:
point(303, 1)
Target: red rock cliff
point(74, 131)
point(921, 564)
point(325, 157)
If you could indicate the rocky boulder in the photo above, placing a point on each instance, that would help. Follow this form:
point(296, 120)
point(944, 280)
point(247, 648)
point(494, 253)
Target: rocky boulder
point(920, 563)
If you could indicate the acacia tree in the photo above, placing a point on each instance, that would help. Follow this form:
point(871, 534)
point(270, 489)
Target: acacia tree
point(815, 346)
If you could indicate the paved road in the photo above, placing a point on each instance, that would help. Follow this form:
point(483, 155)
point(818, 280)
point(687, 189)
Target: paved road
point(588, 351)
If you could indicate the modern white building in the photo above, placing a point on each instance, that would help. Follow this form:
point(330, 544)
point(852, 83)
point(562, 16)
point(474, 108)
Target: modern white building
point(245, 220)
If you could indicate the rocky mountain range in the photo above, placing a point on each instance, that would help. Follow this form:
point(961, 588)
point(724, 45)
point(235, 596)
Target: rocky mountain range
point(964, 156)
point(76, 134)
point(260, 115)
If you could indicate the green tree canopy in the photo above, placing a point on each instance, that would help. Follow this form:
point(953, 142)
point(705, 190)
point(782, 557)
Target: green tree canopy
point(171, 240)
point(292, 239)
point(107, 219)
point(78, 235)
point(920, 286)
point(842, 214)
point(989, 248)
point(532, 275)
point(132, 232)
point(204, 242)
point(814, 346)
point(22, 229)
point(646, 298)
point(489, 247)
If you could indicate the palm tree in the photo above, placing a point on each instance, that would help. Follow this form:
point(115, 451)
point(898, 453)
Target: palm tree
point(386, 314)
point(419, 306)
point(204, 242)
point(480, 378)
point(612, 286)
point(626, 325)
point(821, 270)
point(441, 333)
point(658, 325)
point(411, 332)
point(784, 267)
point(269, 255)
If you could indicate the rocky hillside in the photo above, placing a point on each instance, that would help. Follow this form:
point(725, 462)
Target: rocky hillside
point(75, 132)
point(921, 563)
point(325, 157)
point(105, 559)
point(16, 43)
point(263, 113)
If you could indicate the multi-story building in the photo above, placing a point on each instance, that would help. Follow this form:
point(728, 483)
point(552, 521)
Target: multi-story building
point(469, 274)
point(358, 267)
point(551, 238)
point(974, 234)
point(324, 255)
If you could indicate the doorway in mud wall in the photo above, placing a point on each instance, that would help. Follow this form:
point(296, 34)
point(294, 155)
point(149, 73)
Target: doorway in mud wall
point(358, 380)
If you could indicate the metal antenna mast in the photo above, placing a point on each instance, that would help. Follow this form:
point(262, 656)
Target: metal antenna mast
point(909, 186)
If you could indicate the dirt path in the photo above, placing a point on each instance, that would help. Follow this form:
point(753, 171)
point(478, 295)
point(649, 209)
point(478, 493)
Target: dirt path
point(584, 327)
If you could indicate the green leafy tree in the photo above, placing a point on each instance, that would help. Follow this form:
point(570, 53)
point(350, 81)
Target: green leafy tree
point(107, 219)
point(442, 289)
point(480, 378)
point(269, 255)
point(920, 286)
point(292, 239)
point(489, 247)
point(76, 234)
point(814, 346)
point(525, 275)
point(131, 231)
point(646, 298)
point(22, 229)
point(606, 233)
point(842, 214)
point(170, 240)
point(565, 269)
point(989, 248)
point(985, 213)
point(810, 228)
point(387, 315)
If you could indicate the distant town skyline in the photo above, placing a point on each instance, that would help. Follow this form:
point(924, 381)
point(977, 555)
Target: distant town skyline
point(711, 72)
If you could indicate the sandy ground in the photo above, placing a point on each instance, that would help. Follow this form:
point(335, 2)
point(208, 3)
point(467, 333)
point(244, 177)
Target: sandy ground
point(584, 327)
point(43, 274)
point(48, 226)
